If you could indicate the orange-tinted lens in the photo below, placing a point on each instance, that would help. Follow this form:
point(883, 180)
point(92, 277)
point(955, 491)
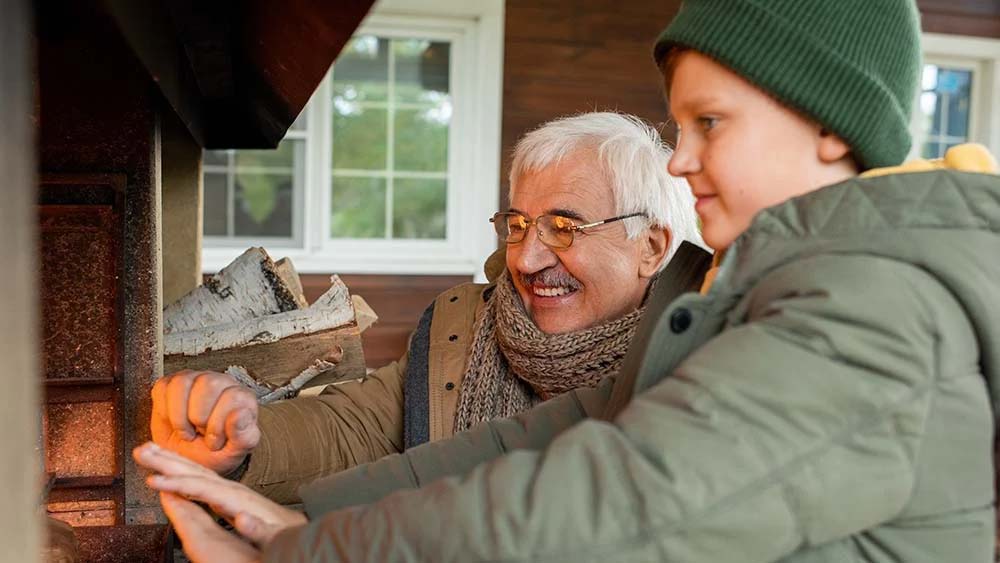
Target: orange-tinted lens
point(515, 226)
point(556, 230)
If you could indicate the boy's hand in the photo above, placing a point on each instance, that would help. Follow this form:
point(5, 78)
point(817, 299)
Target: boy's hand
point(254, 516)
point(205, 416)
point(205, 541)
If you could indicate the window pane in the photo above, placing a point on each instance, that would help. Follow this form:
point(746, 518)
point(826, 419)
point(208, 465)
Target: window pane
point(281, 158)
point(955, 87)
point(358, 207)
point(361, 72)
point(215, 158)
point(419, 208)
point(944, 109)
point(215, 205)
point(936, 115)
point(422, 69)
point(263, 205)
point(421, 142)
point(359, 137)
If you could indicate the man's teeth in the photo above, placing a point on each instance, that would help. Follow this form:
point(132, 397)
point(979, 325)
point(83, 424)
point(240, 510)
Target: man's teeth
point(550, 291)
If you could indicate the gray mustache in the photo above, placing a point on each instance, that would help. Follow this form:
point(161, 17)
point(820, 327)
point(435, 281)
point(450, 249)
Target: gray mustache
point(550, 278)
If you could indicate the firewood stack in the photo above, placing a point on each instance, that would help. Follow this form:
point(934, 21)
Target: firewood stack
point(252, 321)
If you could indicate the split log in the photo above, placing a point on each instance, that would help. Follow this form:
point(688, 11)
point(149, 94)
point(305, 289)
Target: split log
point(252, 286)
point(363, 313)
point(286, 271)
point(278, 347)
point(333, 309)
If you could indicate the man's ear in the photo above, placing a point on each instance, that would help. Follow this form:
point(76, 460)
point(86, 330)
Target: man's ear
point(655, 244)
point(831, 147)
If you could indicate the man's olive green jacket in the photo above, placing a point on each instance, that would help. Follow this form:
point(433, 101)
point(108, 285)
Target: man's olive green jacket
point(828, 400)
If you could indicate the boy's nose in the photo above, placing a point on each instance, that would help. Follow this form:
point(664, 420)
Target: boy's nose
point(683, 162)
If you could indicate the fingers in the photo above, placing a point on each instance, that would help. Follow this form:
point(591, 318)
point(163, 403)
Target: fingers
point(206, 397)
point(191, 402)
point(204, 541)
point(159, 423)
point(225, 498)
point(153, 457)
point(186, 478)
point(254, 516)
point(177, 394)
point(233, 420)
point(242, 431)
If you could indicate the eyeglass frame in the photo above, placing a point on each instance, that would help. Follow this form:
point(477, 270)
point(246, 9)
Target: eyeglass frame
point(574, 229)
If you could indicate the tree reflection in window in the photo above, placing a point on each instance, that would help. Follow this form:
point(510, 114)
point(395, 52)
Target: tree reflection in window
point(392, 111)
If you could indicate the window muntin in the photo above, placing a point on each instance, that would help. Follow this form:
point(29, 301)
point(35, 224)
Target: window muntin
point(392, 112)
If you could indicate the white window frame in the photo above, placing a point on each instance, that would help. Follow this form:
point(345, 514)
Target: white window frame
point(982, 57)
point(475, 30)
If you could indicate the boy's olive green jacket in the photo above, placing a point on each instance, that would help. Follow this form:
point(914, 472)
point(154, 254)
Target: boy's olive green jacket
point(827, 400)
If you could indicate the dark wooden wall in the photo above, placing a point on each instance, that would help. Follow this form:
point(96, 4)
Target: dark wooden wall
point(567, 56)
point(398, 300)
point(962, 17)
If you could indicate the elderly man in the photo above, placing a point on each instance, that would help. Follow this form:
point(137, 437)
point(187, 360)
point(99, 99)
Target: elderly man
point(593, 218)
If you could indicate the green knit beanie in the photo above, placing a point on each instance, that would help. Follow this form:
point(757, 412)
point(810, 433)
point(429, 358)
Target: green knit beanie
point(851, 65)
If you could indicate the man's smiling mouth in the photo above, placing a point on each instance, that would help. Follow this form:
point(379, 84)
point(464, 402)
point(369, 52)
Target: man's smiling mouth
point(552, 291)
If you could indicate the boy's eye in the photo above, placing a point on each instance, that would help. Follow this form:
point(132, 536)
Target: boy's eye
point(708, 123)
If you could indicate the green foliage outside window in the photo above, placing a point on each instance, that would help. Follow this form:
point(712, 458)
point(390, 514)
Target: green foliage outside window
point(391, 91)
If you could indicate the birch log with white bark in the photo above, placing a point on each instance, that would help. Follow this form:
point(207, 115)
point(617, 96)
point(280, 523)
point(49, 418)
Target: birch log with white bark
point(276, 348)
point(252, 286)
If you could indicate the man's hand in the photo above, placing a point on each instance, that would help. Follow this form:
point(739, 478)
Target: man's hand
point(205, 416)
point(254, 516)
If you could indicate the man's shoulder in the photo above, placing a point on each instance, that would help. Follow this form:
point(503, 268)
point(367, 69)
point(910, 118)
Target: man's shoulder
point(462, 299)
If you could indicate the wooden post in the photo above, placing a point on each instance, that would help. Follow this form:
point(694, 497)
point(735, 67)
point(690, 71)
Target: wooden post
point(20, 410)
point(182, 209)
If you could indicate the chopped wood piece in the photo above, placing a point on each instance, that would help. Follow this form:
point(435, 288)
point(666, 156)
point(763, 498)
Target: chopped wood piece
point(251, 286)
point(276, 348)
point(276, 363)
point(333, 309)
point(292, 281)
point(363, 313)
point(253, 316)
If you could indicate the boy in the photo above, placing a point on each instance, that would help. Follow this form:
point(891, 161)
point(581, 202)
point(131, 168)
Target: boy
point(827, 398)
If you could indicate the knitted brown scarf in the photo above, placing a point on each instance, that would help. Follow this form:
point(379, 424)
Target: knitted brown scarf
point(513, 365)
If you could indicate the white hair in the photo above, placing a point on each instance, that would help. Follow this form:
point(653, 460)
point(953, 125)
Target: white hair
point(634, 160)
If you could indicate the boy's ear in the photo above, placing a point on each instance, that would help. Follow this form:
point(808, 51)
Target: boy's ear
point(831, 147)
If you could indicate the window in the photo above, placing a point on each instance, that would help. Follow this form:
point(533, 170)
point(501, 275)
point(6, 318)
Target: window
point(391, 114)
point(393, 167)
point(945, 103)
point(957, 102)
point(256, 195)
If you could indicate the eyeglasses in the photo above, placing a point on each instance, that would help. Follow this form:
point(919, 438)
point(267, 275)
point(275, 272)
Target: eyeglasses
point(555, 231)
